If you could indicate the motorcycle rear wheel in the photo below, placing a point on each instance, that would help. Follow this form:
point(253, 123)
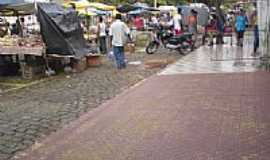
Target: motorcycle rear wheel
point(184, 50)
point(152, 47)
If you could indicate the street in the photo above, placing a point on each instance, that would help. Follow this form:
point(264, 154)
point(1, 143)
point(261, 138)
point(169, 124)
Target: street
point(30, 114)
point(191, 113)
point(134, 80)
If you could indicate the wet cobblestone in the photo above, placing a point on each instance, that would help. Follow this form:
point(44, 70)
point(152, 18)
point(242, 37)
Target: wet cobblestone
point(31, 113)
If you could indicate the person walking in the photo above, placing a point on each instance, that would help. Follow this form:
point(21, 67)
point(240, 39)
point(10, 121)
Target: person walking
point(240, 27)
point(220, 22)
point(211, 28)
point(101, 34)
point(119, 32)
point(177, 22)
point(192, 24)
point(254, 23)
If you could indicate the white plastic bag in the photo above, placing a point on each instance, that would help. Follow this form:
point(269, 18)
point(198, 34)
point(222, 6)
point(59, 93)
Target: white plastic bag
point(111, 55)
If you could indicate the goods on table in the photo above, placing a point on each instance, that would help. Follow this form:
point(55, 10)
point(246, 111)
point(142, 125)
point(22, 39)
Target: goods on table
point(31, 41)
point(7, 41)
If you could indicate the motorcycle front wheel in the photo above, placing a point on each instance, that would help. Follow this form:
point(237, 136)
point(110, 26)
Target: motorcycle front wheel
point(152, 47)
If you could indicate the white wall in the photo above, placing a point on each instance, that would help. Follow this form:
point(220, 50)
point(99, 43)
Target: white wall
point(264, 22)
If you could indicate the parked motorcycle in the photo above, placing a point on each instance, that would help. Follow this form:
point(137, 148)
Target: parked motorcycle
point(182, 43)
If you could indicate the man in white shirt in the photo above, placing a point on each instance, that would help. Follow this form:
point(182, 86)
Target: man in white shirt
point(119, 32)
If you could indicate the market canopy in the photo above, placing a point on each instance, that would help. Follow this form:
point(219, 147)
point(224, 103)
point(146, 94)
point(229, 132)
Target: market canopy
point(84, 11)
point(128, 8)
point(85, 4)
point(140, 12)
point(167, 8)
point(91, 9)
point(96, 11)
point(101, 6)
point(18, 7)
point(136, 12)
point(125, 8)
point(5, 2)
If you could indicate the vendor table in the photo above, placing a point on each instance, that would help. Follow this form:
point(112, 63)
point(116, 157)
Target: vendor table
point(19, 54)
point(17, 50)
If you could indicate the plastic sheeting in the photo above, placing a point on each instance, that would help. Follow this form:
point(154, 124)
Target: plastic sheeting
point(61, 31)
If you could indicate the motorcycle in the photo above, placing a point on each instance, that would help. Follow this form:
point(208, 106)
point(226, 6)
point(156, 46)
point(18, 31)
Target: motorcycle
point(182, 43)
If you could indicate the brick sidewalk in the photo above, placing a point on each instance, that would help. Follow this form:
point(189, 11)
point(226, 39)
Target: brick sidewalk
point(176, 117)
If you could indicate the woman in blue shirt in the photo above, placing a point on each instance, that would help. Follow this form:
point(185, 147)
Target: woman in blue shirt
point(240, 27)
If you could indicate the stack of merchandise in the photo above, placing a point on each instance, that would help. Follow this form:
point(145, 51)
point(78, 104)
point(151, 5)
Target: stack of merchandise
point(31, 41)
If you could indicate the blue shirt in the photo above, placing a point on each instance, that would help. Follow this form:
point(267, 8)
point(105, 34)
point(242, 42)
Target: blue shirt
point(240, 23)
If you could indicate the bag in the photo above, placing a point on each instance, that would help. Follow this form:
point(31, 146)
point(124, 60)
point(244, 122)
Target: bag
point(111, 55)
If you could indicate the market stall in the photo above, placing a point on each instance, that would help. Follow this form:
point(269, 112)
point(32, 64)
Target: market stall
point(60, 36)
point(63, 35)
point(18, 47)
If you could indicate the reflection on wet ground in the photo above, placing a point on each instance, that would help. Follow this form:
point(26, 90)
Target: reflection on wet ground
point(225, 58)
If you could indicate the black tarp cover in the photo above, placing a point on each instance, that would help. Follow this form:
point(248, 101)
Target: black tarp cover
point(61, 30)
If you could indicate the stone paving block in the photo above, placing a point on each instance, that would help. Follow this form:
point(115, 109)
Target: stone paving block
point(4, 156)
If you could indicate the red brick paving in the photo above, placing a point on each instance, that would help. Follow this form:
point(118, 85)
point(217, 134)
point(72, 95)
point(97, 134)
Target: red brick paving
point(177, 117)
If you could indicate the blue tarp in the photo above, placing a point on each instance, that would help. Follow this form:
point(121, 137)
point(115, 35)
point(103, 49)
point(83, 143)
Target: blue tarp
point(136, 12)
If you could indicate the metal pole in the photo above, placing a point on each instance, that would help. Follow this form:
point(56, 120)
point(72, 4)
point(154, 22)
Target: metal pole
point(268, 28)
point(155, 3)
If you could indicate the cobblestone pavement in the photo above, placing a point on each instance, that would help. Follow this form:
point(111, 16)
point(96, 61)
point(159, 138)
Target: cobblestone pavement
point(221, 116)
point(32, 113)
